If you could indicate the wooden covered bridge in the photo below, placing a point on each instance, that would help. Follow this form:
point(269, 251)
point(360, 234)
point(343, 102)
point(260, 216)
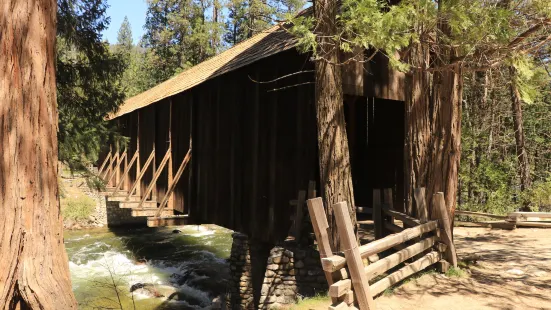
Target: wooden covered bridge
point(252, 124)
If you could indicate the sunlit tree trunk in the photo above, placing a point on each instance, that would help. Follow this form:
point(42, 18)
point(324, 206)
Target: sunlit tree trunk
point(34, 271)
point(522, 156)
point(334, 156)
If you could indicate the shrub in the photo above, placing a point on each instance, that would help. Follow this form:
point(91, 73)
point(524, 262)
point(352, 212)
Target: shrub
point(79, 208)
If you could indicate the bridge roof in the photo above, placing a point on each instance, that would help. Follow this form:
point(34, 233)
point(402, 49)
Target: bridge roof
point(267, 43)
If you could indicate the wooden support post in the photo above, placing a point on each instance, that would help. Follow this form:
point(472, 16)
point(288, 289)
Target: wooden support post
point(320, 225)
point(100, 171)
point(172, 185)
point(389, 201)
point(353, 257)
point(311, 189)
point(125, 173)
point(142, 173)
point(297, 227)
point(109, 169)
point(440, 213)
point(377, 214)
point(155, 177)
point(421, 203)
point(116, 168)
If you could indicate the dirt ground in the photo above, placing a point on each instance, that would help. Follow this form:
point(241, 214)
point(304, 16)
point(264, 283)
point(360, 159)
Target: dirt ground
point(506, 270)
point(502, 270)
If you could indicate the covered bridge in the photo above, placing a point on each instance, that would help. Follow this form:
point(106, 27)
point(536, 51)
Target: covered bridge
point(252, 125)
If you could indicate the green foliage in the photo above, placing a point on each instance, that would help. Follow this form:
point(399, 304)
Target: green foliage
point(79, 208)
point(456, 273)
point(249, 17)
point(88, 81)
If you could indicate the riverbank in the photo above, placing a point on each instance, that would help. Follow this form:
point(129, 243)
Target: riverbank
point(82, 207)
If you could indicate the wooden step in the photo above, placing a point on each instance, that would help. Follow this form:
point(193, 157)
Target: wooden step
point(135, 204)
point(122, 198)
point(151, 212)
point(176, 220)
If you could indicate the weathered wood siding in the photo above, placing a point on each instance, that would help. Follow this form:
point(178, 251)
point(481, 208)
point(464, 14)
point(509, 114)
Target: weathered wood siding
point(254, 148)
point(147, 128)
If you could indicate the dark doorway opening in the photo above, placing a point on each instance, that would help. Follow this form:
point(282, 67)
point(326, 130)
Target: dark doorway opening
point(375, 129)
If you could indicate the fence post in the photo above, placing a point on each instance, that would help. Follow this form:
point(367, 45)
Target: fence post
point(377, 214)
point(387, 194)
point(320, 225)
point(353, 257)
point(440, 213)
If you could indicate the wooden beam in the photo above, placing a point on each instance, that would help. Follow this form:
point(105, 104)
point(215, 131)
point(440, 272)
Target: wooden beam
point(153, 183)
point(440, 212)
point(406, 219)
point(126, 171)
point(142, 173)
point(353, 256)
point(480, 214)
point(383, 265)
point(107, 158)
point(533, 224)
point(339, 306)
point(336, 262)
point(172, 185)
point(320, 225)
point(420, 264)
point(393, 227)
point(529, 217)
point(377, 214)
point(340, 288)
point(421, 202)
point(389, 202)
point(117, 167)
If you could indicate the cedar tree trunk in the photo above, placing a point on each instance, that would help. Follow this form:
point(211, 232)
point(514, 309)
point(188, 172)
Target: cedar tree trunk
point(34, 271)
point(334, 157)
point(418, 125)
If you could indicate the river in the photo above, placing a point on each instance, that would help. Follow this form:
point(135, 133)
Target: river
point(170, 268)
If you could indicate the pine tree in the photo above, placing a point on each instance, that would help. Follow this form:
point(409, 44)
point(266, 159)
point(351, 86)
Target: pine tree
point(124, 36)
point(88, 81)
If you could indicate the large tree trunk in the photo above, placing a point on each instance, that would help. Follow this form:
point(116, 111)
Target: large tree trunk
point(334, 157)
point(418, 125)
point(433, 122)
point(34, 271)
point(522, 156)
point(446, 135)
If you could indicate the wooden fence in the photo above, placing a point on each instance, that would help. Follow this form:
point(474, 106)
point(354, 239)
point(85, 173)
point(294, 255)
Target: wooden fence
point(421, 242)
point(509, 221)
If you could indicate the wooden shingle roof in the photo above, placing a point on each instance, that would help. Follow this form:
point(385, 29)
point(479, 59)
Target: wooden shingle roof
point(262, 45)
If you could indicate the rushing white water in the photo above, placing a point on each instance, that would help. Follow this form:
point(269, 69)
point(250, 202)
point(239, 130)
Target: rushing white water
point(183, 270)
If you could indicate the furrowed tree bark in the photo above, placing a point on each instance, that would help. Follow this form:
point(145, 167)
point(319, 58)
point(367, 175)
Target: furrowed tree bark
point(34, 271)
point(522, 155)
point(418, 125)
point(334, 157)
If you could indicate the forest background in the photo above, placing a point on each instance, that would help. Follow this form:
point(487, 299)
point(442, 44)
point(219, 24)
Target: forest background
point(506, 110)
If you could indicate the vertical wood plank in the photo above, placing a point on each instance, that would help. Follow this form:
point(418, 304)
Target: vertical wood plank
point(389, 201)
point(170, 160)
point(377, 214)
point(320, 225)
point(353, 257)
point(440, 213)
point(311, 189)
point(421, 203)
point(299, 215)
